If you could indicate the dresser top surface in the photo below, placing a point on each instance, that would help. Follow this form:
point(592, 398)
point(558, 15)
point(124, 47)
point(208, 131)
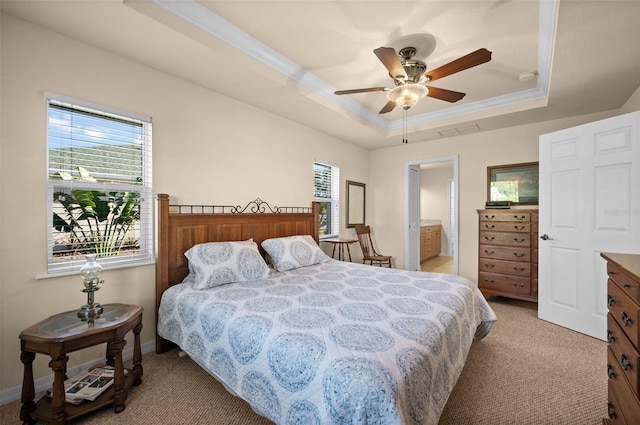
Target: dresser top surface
point(629, 262)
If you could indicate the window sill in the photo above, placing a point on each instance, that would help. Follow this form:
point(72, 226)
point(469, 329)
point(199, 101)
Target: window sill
point(77, 272)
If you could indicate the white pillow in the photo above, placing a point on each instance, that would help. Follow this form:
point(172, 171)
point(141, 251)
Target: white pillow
point(217, 263)
point(294, 251)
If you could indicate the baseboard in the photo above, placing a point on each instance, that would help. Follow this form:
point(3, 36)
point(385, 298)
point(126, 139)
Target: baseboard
point(44, 383)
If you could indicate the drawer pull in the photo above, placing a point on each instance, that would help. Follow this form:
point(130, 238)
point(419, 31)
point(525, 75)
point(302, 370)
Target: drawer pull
point(489, 217)
point(610, 337)
point(489, 281)
point(488, 252)
point(521, 269)
point(610, 371)
point(489, 238)
point(610, 301)
point(489, 226)
point(518, 285)
point(625, 363)
point(519, 255)
point(519, 217)
point(626, 320)
point(519, 240)
point(490, 265)
point(518, 227)
point(610, 412)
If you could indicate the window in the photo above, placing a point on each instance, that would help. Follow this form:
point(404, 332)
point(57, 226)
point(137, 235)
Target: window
point(99, 186)
point(327, 192)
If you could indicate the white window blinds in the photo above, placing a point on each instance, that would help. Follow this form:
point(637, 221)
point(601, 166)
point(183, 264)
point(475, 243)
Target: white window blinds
point(99, 195)
point(327, 192)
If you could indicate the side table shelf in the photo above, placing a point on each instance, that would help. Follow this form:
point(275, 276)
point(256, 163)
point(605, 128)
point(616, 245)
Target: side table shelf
point(64, 333)
point(44, 407)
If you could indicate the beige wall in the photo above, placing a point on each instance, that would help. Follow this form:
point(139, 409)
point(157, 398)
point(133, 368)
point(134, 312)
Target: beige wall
point(206, 149)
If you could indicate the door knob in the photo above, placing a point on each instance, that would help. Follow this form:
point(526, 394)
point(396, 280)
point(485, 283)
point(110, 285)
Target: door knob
point(545, 237)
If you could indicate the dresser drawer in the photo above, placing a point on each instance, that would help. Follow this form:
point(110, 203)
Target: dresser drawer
point(429, 229)
point(506, 239)
point(614, 411)
point(505, 253)
point(624, 281)
point(625, 355)
point(623, 404)
point(624, 310)
point(504, 283)
point(505, 226)
point(504, 216)
point(515, 268)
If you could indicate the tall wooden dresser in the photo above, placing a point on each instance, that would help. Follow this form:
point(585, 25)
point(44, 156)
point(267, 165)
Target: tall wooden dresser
point(623, 335)
point(508, 253)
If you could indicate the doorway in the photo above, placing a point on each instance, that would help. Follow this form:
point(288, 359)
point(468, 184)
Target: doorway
point(432, 206)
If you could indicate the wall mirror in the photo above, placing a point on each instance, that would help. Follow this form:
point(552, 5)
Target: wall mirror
point(355, 203)
point(516, 183)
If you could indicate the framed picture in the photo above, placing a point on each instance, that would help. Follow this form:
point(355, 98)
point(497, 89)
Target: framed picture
point(355, 203)
point(516, 183)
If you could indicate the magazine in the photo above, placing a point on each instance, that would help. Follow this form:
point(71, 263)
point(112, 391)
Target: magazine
point(91, 385)
point(87, 385)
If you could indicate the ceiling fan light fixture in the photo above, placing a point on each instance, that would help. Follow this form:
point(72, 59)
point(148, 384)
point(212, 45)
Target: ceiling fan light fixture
point(407, 95)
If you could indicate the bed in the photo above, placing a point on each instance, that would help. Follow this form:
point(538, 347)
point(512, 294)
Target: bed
point(309, 340)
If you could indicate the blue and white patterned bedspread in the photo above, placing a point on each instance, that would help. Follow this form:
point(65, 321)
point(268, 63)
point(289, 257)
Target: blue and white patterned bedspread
point(333, 343)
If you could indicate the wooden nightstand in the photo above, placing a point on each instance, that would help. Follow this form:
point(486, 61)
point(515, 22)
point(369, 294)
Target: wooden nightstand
point(64, 333)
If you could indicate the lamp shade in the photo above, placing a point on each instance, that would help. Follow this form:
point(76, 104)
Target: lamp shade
point(407, 95)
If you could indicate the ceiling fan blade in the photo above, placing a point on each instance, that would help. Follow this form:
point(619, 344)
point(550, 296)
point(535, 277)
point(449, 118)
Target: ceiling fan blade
point(360, 90)
point(391, 61)
point(468, 61)
point(444, 94)
point(388, 107)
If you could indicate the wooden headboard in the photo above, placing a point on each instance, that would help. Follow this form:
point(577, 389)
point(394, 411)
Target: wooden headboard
point(182, 226)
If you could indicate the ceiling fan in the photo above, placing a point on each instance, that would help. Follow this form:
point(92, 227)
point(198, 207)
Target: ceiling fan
point(410, 77)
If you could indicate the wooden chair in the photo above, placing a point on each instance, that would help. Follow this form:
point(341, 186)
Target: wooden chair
point(369, 253)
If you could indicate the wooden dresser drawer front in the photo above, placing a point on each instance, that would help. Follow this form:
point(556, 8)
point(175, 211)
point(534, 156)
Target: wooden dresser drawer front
point(515, 268)
point(505, 253)
point(615, 413)
point(625, 355)
point(624, 281)
point(504, 216)
point(506, 239)
point(624, 310)
point(429, 229)
point(499, 282)
point(624, 402)
point(505, 226)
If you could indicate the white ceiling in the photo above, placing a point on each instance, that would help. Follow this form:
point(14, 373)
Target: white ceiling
point(287, 57)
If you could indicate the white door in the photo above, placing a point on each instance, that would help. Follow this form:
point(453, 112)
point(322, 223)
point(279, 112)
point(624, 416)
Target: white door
point(589, 203)
point(412, 262)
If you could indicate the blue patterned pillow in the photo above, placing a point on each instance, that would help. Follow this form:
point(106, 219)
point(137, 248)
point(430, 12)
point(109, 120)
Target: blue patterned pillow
point(294, 251)
point(217, 263)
